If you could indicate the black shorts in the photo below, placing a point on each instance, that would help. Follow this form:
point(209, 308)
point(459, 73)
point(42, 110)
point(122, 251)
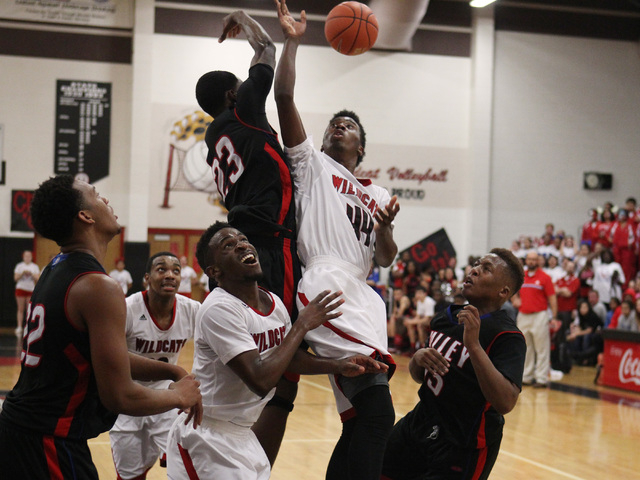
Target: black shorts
point(27, 455)
point(418, 453)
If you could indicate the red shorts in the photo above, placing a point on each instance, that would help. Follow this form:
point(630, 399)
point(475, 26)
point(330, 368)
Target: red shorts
point(23, 293)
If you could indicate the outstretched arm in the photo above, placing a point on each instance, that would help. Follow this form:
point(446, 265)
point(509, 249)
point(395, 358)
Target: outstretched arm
point(259, 39)
point(291, 127)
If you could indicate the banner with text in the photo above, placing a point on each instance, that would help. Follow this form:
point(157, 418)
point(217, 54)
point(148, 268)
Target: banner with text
point(83, 129)
point(20, 215)
point(99, 13)
point(432, 252)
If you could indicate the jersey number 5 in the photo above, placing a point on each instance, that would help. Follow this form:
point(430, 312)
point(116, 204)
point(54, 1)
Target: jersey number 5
point(227, 166)
point(36, 317)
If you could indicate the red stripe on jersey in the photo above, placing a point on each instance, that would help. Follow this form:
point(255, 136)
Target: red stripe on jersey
point(388, 359)
point(480, 463)
point(79, 392)
point(285, 182)
point(51, 453)
point(287, 294)
point(188, 463)
point(481, 439)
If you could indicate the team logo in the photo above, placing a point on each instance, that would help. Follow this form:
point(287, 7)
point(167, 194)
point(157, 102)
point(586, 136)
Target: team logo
point(629, 370)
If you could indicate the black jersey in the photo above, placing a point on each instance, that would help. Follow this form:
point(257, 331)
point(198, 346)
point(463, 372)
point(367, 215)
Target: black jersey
point(454, 402)
point(56, 393)
point(249, 167)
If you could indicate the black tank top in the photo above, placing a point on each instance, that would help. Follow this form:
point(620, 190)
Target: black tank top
point(56, 393)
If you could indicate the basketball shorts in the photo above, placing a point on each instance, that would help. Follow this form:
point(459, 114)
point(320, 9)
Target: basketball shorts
point(27, 455)
point(281, 269)
point(416, 450)
point(137, 442)
point(216, 449)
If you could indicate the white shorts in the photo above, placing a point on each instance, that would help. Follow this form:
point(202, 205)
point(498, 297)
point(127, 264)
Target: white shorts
point(137, 442)
point(215, 450)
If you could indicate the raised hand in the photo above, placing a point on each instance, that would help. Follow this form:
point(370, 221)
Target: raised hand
point(290, 27)
point(385, 216)
point(320, 310)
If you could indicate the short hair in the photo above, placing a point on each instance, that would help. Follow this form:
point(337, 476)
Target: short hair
point(631, 200)
point(156, 255)
point(515, 272)
point(363, 136)
point(54, 207)
point(211, 89)
point(202, 249)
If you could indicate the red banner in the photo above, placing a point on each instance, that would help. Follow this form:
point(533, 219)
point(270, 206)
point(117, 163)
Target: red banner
point(621, 364)
point(20, 214)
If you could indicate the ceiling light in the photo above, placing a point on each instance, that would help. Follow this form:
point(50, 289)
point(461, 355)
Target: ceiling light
point(480, 3)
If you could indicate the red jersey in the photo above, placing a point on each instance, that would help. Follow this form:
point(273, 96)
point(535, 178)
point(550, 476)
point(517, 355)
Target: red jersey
point(535, 291)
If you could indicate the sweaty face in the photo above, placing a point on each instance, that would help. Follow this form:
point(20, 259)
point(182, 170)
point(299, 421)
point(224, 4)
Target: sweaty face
point(101, 212)
point(234, 258)
point(342, 134)
point(164, 277)
point(486, 279)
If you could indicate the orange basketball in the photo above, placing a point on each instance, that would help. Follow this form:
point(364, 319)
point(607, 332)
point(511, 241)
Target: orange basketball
point(351, 28)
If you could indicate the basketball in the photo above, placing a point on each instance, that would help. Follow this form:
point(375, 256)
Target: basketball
point(351, 28)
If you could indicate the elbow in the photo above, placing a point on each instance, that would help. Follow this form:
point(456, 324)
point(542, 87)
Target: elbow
point(260, 388)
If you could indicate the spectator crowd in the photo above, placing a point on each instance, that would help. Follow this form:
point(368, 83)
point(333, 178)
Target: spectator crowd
point(595, 278)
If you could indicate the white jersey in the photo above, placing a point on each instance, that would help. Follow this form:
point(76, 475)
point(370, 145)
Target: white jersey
point(146, 338)
point(26, 282)
point(123, 277)
point(336, 243)
point(334, 209)
point(225, 328)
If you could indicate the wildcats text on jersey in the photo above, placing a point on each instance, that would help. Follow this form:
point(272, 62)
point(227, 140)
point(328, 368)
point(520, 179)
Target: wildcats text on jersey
point(269, 339)
point(159, 346)
point(345, 187)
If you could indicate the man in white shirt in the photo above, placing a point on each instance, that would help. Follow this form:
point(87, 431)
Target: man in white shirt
point(122, 276)
point(425, 309)
point(188, 277)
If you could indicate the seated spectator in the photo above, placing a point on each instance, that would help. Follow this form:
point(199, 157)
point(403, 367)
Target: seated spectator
point(411, 279)
point(441, 302)
point(627, 320)
point(597, 306)
point(581, 334)
point(418, 324)
point(586, 279)
point(396, 331)
point(613, 313)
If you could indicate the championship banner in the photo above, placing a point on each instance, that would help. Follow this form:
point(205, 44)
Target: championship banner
point(621, 360)
point(432, 252)
point(83, 129)
point(20, 215)
point(97, 13)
